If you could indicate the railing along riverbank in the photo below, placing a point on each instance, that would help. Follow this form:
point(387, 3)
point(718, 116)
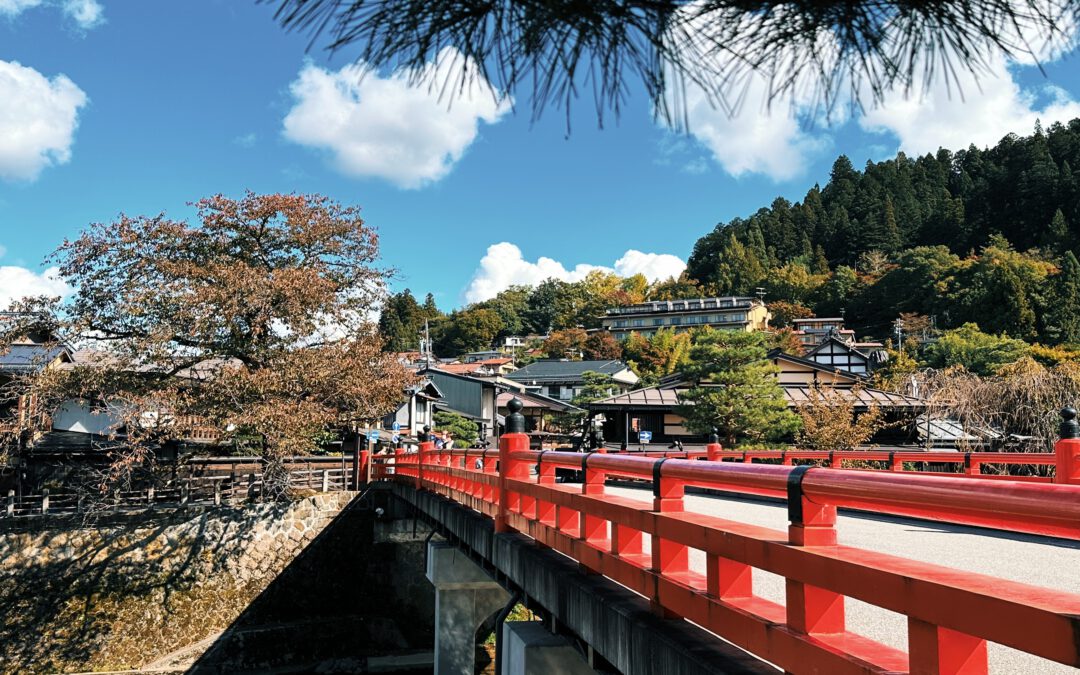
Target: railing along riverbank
point(207, 481)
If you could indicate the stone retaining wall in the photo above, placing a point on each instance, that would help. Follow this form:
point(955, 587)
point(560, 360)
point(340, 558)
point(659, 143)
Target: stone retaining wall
point(129, 590)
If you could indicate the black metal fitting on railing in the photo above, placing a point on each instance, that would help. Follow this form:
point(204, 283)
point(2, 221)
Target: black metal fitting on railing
point(585, 460)
point(539, 461)
point(656, 476)
point(795, 493)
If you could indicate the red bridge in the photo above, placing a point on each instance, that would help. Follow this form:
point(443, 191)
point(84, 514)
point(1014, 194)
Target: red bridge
point(694, 569)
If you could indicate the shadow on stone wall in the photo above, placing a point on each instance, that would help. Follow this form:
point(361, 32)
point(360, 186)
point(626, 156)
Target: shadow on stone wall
point(343, 599)
point(283, 581)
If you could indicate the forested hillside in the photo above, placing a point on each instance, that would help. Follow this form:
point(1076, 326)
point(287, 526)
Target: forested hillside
point(984, 236)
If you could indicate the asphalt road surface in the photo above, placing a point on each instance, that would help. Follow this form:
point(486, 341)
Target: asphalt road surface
point(1039, 561)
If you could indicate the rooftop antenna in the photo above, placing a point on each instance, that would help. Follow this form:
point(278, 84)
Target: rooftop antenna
point(760, 293)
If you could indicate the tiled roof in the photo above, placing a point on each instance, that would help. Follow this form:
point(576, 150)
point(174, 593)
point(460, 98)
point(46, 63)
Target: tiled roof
point(541, 371)
point(463, 368)
point(533, 400)
point(668, 397)
point(22, 358)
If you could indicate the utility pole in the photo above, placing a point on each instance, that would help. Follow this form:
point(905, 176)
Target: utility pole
point(899, 334)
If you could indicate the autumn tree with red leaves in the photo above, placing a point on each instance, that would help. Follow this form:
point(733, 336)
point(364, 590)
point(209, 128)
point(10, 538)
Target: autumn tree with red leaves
point(253, 321)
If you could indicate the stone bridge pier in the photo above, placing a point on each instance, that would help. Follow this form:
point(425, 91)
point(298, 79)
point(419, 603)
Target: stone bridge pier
point(465, 598)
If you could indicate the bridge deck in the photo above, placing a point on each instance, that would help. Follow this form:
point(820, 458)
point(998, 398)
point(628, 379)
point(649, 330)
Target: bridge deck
point(1040, 561)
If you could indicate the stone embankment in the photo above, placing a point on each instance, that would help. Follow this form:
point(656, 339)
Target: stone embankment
point(125, 591)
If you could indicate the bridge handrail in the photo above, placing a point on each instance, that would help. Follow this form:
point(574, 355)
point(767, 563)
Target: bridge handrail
point(1030, 508)
point(950, 614)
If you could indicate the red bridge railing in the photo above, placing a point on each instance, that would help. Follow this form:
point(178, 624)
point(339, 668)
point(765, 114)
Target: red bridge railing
point(951, 614)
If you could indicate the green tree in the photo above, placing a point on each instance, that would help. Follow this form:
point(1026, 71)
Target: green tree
point(734, 388)
point(1064, 314)
point(595, 386)
point(683, 288)
point(539, 316)
point(978, 352)
point(740, 268)
point(1058, 237)
point(464, 431)
point(657, 355)
point(401, 322)
point(468, 330)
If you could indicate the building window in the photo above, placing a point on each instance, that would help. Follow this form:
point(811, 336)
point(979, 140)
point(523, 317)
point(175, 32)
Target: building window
point(676, 320)
point(678, 306)
point(639, 322)
point(658, 322)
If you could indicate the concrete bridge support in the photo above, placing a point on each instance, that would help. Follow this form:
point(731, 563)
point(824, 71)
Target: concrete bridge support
point(529, 649)
point(465, 597)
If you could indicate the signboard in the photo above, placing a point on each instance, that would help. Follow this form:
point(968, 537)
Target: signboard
point(396, 439)
point(644, 436)
point(634, 423)
point(373, 436)
point(396, 426)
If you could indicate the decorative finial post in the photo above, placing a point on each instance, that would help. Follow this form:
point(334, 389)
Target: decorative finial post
point(515, 421)
point(712, 448)
point(424, 434)
point(1069, 427)
point(1067, 449)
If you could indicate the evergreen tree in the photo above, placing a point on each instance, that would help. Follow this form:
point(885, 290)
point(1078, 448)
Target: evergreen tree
point(734, 388)
point(431, 310)
point(400, 322)
point(821, 263)
point(1064, 314)
point(1057, 237)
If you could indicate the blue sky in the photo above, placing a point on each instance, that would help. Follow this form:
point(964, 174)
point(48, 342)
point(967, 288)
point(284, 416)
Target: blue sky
point(141, 107)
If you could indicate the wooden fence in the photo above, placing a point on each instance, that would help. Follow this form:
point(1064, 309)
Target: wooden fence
point(210, 481)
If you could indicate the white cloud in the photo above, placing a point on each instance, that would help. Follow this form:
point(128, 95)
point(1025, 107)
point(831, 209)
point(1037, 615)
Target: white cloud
point(86, 14)
point(750, 127)
point(777, 138)
point(954, 113)
point(756, 139)
point(19, 282)
point(503, 266)
point(654, 266)
point(16, 7)
point(397, 128)
point(38, 117)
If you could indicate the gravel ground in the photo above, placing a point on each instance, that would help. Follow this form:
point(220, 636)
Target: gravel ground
point(1039, 561)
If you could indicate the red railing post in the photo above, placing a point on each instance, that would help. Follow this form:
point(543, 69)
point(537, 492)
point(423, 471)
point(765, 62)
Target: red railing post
point(593, 529)
point(1067, 449)
point(668, 557)
point(364, 468)
point(713, 447)
point(933, 650)
point(514, 440)
point(811, 609)
point(423, 448)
